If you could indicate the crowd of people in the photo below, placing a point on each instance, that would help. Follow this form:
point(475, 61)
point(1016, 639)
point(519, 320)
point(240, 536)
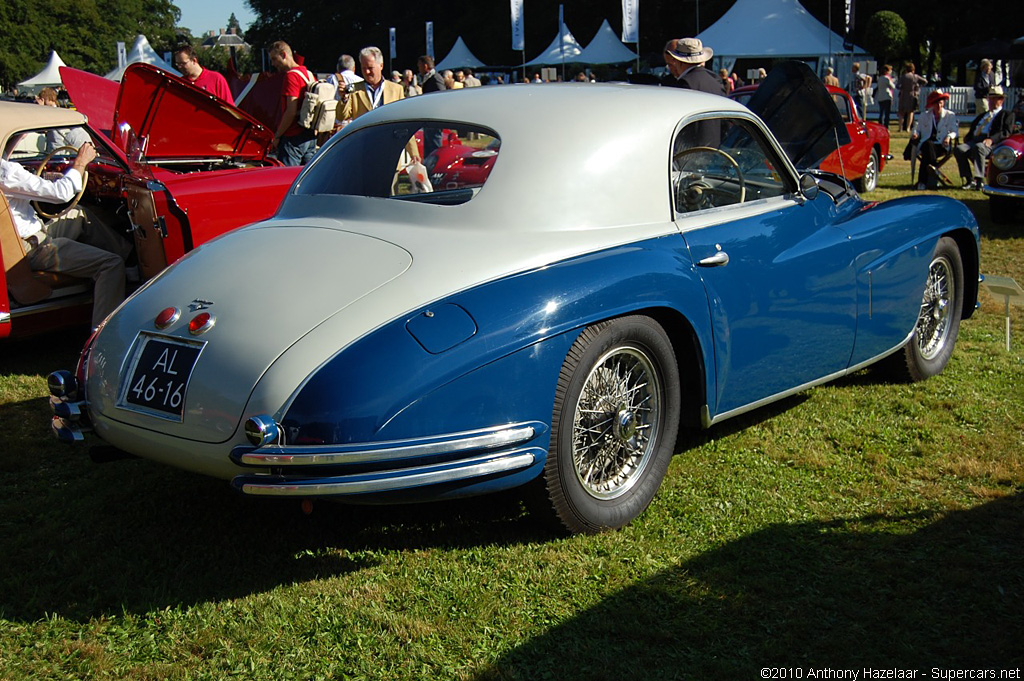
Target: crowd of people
point(81, 245)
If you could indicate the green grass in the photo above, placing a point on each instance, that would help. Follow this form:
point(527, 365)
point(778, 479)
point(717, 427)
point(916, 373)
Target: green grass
point(860, 524)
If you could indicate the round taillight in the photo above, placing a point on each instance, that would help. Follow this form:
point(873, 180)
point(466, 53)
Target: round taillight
point(201, 323)
point(167, 317)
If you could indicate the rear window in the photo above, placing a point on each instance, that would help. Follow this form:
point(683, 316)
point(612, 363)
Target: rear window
point(428, 162)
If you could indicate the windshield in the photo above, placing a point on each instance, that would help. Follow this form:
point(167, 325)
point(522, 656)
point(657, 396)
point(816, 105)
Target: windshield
point(383, 161)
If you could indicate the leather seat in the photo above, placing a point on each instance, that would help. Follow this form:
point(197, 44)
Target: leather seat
point(25, 286)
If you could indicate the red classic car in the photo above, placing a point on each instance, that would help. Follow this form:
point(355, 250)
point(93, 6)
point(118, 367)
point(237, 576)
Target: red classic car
point(460, 164)
point(864, 157)
point(176, 168)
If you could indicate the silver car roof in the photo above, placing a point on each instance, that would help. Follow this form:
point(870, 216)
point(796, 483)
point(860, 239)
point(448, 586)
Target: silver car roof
point(572, 155)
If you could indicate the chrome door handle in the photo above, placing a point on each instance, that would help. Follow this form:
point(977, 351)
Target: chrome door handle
point(716, 260)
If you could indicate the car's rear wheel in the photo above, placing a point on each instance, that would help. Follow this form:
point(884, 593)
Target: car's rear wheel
point(614, 424)
point(938, 323)
point(869, 180)
point(1001, 208)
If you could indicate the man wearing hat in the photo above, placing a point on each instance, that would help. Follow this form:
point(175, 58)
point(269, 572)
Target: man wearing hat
point(685, 58)
point(986, 130)
point(934, 132)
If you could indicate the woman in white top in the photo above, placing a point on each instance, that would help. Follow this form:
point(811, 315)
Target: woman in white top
point(885, 90)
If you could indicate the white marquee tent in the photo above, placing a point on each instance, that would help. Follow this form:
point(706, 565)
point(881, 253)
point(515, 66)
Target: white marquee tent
point(605, 48)
point(563, 48)
point(459, 57)
point(144, 52)
point(48, 77)
point(776, 29)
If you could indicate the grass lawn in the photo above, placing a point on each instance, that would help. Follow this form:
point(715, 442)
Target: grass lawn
point(862, 524)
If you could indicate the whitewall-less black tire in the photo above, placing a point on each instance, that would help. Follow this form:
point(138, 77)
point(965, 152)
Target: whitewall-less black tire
point(614, 424)
point(938, 324)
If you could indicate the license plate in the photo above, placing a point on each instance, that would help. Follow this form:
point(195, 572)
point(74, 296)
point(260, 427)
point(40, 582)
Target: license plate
point(159, 376)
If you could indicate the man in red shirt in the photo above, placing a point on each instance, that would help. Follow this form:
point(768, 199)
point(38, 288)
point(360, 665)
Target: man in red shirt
point(294, 144)
point(211, 81)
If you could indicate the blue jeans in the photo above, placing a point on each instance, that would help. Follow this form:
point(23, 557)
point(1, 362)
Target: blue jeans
point(884, 111)
point(297, 150)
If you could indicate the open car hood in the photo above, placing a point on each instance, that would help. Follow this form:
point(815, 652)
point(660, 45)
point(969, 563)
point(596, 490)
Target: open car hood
point(795, 105)
point(160, 116)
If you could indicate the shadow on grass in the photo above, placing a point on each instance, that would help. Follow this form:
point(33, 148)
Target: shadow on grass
point(915, 591)
point(83, 540)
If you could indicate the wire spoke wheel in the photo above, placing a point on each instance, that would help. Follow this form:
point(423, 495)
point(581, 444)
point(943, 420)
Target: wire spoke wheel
point(613, 426)
point(616, 422)
point(933, 324)
point(931, 344)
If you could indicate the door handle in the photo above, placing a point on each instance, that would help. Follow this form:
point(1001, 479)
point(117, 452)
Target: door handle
point(716, 260)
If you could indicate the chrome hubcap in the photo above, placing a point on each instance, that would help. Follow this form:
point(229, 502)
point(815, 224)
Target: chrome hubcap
point(933, 322)
point(615, 426)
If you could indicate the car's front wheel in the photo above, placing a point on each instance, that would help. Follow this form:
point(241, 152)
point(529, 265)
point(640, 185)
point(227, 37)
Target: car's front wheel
point(869, 180)
point(938, 323)
point(614, 424)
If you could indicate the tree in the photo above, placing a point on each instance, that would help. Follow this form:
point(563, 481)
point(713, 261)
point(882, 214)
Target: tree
point(885, 35)
point(233, 24)
point(85, 34)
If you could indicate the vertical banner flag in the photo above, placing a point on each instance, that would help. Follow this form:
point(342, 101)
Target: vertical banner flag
point(630, 21)
point(850, 19)
point(391, 39)
point(122, 56)
point(430, 38)
point(518, 43)
point(561, 31)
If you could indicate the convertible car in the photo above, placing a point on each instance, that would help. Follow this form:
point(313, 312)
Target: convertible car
point(553, 325)
point(176, 167)
point(860, 160)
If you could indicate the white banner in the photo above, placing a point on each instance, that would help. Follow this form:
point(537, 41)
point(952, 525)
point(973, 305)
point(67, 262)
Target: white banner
point(430, 38)
point(391, 39)
point(518, 42)
point(630, 21)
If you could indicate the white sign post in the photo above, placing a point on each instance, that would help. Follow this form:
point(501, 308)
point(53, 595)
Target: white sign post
point(1011, 293)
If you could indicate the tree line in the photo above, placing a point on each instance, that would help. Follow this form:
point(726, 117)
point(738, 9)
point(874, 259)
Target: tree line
point(85, 32)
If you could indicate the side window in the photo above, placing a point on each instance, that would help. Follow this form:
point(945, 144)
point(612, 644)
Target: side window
point(843, 104)
point(723, 164)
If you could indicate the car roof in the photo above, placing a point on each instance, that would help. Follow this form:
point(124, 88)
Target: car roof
point(18, 116)
point(588, 154)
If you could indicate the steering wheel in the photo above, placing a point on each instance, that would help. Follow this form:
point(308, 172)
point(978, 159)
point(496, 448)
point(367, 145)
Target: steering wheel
point(699, 193)
point(38, 205)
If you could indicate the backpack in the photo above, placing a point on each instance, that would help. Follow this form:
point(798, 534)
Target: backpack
point(318, 107)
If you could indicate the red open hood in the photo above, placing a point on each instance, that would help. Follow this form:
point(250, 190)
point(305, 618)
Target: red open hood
point(170, 117)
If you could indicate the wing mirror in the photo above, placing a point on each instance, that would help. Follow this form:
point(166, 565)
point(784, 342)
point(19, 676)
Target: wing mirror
point(808, 186)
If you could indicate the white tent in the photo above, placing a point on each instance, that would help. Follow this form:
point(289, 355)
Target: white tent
point(142, 51)
point(605, 48)
point(563, 48)
point(459, 57)
point(48, 77)
point(774, 29)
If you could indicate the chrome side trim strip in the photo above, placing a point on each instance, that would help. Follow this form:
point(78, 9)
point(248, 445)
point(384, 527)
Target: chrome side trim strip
point(395, 479)
point(487, 438)
point(1002, 191)
point(5, 317)
point(810, 384)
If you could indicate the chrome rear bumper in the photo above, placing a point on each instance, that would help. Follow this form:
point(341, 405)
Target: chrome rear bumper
point(366, 468)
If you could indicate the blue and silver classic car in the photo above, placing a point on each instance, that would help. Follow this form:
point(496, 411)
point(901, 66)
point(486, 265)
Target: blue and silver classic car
point(637, 260)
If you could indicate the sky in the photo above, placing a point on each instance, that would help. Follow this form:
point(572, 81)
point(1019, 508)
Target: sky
point(203, 15)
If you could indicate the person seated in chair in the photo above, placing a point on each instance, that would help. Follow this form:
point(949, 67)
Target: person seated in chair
point(986, 130)
point(934, 134)
point(76, 243)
